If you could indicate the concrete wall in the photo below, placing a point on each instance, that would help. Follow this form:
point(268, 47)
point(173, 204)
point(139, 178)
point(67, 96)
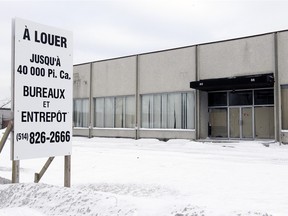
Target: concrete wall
point(172, 71)
point(239, 57)
point(167, 71)
point(204, 115)
point(161, 72)
point(282, 57)
point(81, 132)
point(114, 132)
point(247, 56)
point(81, 81)
point(81, 89)
point(5, 117)
point(116, 77)
point(283, 74)
point(167, 134)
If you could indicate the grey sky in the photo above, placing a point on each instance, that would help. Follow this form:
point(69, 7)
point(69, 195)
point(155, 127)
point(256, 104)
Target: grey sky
point(108, 29)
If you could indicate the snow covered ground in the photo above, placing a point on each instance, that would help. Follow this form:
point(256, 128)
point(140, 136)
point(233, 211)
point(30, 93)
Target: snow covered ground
point(148, 177)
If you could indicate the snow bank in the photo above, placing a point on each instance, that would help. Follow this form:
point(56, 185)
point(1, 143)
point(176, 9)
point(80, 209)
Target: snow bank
point(4, 181)
point(42, 199)
point(148, 177)
point(53, 200)
point(21, 211)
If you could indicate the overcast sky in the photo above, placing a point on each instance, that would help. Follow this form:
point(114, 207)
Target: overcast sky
point(108, 29)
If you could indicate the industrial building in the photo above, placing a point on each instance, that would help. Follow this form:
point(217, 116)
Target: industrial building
point(5, 117)
point(231, 89)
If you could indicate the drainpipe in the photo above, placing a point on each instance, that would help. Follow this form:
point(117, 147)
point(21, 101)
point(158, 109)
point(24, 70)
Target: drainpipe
point(277, 90)
point(137, 112)
point(90, 103)
point(197, 97)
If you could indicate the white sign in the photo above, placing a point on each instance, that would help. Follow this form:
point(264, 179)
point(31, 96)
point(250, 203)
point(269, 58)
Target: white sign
point(42, 68)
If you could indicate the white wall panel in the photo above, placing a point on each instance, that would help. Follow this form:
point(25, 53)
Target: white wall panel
point(114, 77)
point(247, 56)
point(167, 71)
point(283, 57)
point(81, 81)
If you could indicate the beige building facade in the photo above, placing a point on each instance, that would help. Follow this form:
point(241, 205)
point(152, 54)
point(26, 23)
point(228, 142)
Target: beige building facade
point(233, 89)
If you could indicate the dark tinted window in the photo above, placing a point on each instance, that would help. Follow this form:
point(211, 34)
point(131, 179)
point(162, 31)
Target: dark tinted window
point(217, 99)
point(240, 98)
point(262, 97)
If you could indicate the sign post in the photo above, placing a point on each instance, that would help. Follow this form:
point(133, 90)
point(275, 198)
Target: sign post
point(42, 68)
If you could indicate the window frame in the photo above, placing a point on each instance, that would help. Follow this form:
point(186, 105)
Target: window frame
point(80, 124)
point(166, 112)
point(113, 115)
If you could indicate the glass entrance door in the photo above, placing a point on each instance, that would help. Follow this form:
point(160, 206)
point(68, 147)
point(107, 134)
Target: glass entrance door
point(247, 122)
point(245, 114)
point(234, 122)
point(240, 122)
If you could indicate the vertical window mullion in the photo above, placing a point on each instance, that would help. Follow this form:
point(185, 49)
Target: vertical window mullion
point(149, 113)
point(160, 111)
point(124, 112)
point(114, 112)
point(152, 112)
point(103, 119)
point(185, 111)
point(81, 113)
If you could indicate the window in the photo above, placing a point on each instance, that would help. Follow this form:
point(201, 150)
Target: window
point(174, 111)
point(80, 112)
point(168, 110)
point(244, 114)
point(217, 99)
point(264, 122)
point(240, 98)
point(264, 97)
point(119, 112)
point(109, 112)
point(218, 122)
point(114, 112)
point(147, 110)
point(284, 103)
point(129, 112)
point(99, 112)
